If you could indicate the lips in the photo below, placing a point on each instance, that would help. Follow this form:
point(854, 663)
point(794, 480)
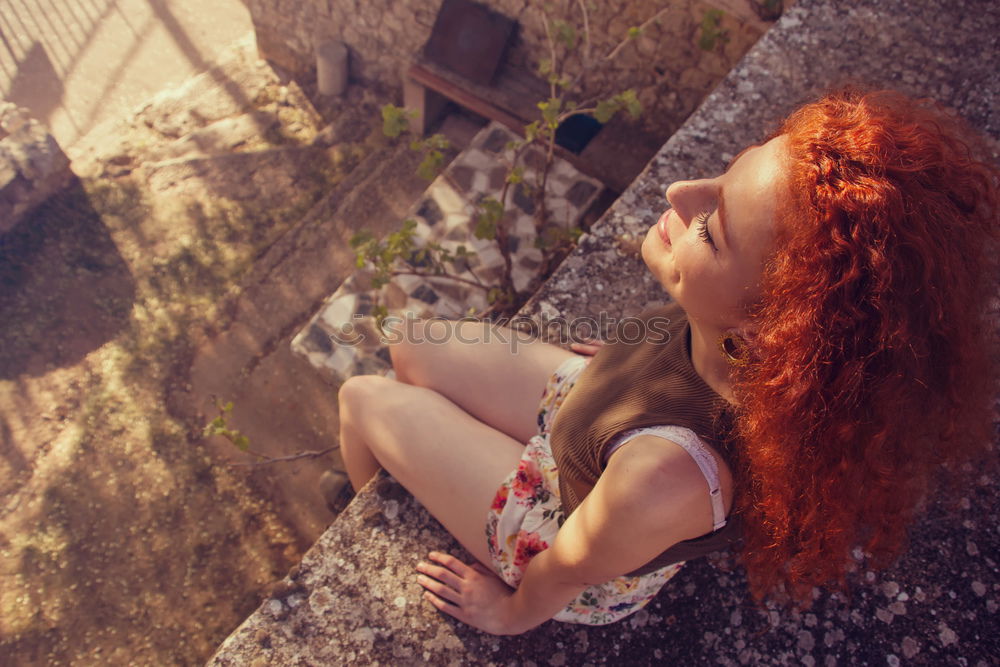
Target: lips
point(661, 227)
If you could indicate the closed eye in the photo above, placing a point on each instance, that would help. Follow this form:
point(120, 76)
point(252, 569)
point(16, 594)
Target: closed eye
point(701, 220)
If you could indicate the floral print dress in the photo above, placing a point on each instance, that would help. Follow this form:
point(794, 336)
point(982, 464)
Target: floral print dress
point(526, 515)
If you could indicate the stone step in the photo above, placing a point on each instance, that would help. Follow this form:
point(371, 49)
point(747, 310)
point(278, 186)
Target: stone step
point(445, 214)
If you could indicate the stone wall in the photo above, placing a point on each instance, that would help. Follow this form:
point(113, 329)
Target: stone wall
point(666, 66)
point(32, 166)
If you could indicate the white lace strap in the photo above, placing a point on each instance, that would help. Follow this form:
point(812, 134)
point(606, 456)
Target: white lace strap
point(698, 450)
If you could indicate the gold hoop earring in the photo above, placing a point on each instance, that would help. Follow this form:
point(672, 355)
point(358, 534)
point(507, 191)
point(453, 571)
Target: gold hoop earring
point(734, 348)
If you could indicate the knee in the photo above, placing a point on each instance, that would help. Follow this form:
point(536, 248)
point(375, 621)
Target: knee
point(356, 392)
point(409, 352)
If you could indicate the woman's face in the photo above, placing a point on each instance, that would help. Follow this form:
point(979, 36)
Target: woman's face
point(708, 250)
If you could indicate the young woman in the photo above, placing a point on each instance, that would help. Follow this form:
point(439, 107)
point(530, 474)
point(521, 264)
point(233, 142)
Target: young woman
point(828, 351)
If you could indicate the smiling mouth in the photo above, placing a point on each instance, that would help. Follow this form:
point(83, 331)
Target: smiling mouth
point(661, 227)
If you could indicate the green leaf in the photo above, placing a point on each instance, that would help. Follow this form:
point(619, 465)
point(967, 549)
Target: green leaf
point(605, 110)
point(380, 312)
point(544, 67)
point(360, 238)
point(431, 165)
point(711, 32)
point(492, 208)
point(531, 131)
point(634, 32)
point(395, 120)
point(516, 175)
point(242, 442)
point(631, 103)
point(485, 229)
point(565, 33)
point(550, 111)
point(228, 407)
point(490, 213)
point(437, 142)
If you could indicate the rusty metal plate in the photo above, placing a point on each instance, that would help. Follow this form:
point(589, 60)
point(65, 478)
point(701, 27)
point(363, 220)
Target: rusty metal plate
point(469, 39)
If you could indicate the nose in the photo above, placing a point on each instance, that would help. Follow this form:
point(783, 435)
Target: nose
point(689, 198)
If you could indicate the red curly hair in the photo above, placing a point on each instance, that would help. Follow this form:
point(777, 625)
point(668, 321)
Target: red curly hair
point(873, 362)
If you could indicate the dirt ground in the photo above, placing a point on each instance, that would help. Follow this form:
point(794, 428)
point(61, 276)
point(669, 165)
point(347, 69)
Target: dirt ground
point(126, 304)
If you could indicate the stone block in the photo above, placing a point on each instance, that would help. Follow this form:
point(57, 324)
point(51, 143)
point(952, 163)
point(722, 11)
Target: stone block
point(32, 165)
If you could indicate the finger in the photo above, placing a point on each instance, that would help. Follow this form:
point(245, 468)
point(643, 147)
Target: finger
point(439, 589)
point(441, 574)
point(450, 562)
point(444, 605)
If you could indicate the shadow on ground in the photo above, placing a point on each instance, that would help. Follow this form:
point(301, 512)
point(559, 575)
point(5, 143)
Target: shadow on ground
point(64, 289)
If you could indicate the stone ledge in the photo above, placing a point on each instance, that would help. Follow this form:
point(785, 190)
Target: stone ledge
point(32, 165)
point(354, 598)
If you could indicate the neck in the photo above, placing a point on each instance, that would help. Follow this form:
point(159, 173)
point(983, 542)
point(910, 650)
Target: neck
point(708, 362)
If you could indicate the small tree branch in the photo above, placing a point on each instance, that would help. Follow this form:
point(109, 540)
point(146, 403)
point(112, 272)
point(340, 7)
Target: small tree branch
point(267, 460)
point(445, 276)
point(553, 71)
point(580, 78)
point(621, 45)
point(586, 32)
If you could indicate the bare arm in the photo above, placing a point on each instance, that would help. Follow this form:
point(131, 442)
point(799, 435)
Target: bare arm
point(651, 496)
point(589, 347)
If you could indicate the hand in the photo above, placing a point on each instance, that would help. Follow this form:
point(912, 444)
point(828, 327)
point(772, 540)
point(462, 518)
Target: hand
point(590, 347)
point(472, 594)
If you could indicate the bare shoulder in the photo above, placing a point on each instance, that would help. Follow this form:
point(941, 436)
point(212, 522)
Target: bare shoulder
point(651, 496)
point(652, 476)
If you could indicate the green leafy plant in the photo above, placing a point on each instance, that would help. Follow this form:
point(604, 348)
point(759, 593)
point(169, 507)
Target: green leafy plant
point(219, 426)
point(398, 254)
point(570, 60)
point(712, 32)
point(396, 121)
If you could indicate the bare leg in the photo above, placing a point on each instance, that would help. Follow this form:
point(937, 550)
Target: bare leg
point(490, 372)
point(450, 461)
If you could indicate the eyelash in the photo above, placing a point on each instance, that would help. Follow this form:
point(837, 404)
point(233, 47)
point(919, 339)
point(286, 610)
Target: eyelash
point(702, 221)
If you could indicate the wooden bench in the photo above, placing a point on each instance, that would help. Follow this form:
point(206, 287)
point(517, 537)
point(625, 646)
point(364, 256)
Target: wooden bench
point(615, 156)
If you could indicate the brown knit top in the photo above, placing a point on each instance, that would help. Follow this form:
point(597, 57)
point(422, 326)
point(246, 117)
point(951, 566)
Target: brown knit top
point(644, 378)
